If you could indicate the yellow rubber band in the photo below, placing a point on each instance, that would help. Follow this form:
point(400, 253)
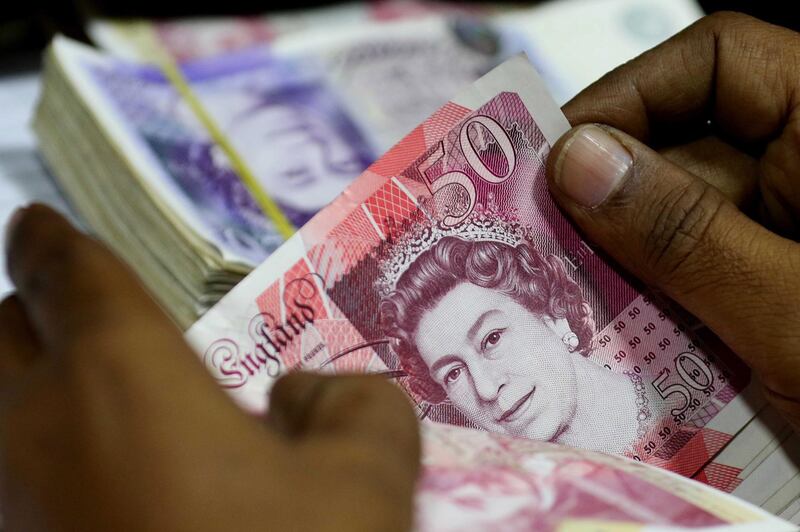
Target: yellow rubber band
point(148, 40)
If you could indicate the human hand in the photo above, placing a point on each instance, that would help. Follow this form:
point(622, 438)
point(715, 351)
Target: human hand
point(720, 106)
point(109, 422)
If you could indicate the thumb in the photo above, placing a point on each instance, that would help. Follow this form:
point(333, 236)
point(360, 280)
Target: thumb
point(682, 236)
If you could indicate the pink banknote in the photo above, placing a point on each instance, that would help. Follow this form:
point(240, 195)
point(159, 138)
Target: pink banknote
point(447, 267)
point(720, 476)
point(482, 481)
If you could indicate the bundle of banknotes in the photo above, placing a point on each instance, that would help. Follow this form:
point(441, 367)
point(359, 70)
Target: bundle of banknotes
point(202, 151)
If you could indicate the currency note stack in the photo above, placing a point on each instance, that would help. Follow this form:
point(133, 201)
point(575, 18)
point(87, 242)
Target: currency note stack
point(476, 481)
point(447, 268)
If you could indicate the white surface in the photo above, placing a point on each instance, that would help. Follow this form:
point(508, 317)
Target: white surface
point(17, 98)
point(23, 179)
point(575, 42)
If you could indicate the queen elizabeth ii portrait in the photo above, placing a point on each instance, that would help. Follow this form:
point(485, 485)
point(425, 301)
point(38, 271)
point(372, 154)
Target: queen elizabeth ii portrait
point(302, 147)
point(481, 319)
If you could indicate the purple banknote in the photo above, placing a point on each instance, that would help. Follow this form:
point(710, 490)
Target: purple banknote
point(286, 124)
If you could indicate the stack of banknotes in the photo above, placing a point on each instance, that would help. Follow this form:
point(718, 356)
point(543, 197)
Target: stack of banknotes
point(158, 166)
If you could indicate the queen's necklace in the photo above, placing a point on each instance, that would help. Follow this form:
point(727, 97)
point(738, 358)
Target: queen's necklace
point(642, 402)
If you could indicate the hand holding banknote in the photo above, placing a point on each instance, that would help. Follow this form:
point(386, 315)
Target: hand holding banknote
point(107, 422)
point(97, 436)
point(718, 106)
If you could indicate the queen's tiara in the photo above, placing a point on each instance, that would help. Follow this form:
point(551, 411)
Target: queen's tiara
point(478, 227)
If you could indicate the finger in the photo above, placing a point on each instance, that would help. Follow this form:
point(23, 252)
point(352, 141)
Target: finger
point(18, 343)
point(730, 69)
point(731, 171)
point(358, 429)
point(72, 288)
point(780, 193)
point(365, 410)
point(680, 234)
point(122, 355)
point(87, 307)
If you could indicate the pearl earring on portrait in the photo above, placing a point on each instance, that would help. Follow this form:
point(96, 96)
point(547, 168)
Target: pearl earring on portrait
point(560, 326)
point(571, 341)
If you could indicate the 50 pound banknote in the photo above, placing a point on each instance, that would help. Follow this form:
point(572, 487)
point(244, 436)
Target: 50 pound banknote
point(447, 267)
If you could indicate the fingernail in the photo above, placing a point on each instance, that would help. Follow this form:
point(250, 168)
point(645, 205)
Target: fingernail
point(12, 223)
point(593, 164)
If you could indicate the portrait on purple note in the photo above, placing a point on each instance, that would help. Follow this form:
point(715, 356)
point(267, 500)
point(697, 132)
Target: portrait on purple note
point(483, 321)
point(301, 146)
point(184, 159)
